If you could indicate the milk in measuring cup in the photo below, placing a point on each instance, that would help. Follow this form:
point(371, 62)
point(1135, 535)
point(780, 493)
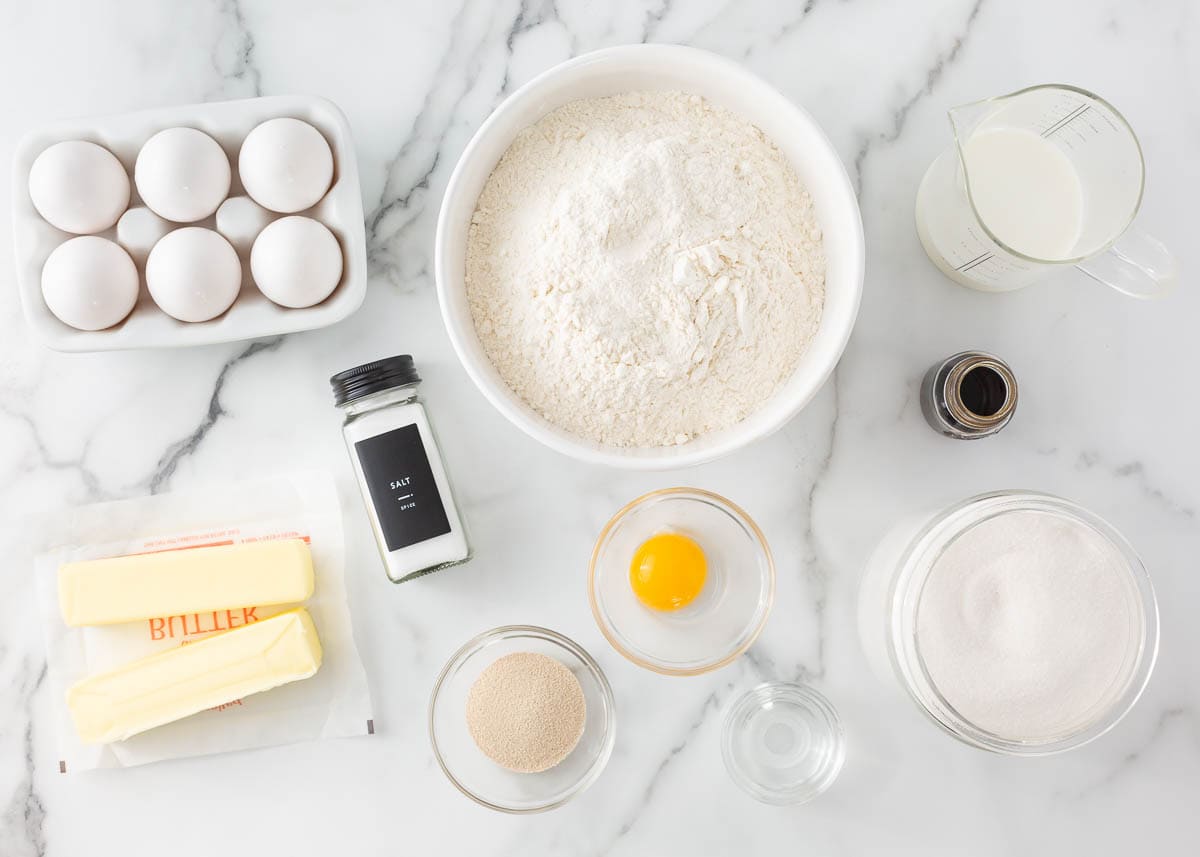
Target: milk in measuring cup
point(1026, 190)
point(1037, 180)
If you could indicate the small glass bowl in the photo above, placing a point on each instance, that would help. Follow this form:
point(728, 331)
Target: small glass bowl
point(477, 776)
point(730, 612)
point(783, 743)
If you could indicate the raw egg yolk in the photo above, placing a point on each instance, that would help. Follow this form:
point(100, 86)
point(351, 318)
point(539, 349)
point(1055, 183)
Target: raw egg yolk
point(668, 571)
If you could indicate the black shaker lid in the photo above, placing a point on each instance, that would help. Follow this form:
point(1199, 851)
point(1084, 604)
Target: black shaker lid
point(373, 377)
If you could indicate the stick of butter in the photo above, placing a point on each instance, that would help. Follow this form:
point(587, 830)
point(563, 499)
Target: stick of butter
point(192, 580)
point(170, 685)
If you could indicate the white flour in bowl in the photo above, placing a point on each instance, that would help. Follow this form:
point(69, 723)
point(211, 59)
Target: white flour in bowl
point(644, 269)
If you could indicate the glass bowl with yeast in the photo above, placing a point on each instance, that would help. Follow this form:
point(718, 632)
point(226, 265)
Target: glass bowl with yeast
point(522, 719)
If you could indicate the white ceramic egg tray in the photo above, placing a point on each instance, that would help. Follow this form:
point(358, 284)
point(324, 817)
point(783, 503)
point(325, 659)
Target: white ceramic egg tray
point(252, 314)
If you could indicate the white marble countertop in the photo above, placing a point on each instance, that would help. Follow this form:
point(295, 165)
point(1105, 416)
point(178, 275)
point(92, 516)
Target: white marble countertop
point(1108, 417)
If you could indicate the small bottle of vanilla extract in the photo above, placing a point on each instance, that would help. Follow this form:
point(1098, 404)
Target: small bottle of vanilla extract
point(969, 395)
point(400, 471)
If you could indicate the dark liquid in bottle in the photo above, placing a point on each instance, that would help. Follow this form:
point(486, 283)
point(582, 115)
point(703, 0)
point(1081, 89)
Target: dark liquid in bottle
point(983, 391)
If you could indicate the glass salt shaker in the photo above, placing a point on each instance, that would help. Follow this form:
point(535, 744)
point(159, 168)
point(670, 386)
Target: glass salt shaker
point(400, 471)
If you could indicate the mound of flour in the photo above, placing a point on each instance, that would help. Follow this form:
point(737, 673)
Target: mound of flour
point(644, 269)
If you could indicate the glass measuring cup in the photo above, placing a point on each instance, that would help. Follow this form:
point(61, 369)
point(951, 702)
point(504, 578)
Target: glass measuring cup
point(1044, 177)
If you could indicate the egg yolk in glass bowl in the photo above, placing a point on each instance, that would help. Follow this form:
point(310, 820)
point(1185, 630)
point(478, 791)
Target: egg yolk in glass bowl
point(668, 571)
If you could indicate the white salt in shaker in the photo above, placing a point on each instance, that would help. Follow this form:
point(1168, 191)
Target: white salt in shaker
point(400, 470)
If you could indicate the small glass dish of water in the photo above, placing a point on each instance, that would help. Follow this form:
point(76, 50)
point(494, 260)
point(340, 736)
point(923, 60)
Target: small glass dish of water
point(783, 743)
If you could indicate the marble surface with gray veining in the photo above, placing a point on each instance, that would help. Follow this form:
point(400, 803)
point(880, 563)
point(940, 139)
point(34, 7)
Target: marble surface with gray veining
point(1108, 417)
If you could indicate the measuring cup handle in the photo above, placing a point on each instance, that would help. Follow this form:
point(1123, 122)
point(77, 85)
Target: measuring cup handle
point(1137, 265)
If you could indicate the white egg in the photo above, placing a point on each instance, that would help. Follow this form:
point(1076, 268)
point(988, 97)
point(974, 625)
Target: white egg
point(182, 174)
point(296, 262)
point(139, 229)
point(89, 283)
point(193, 274)
point(78, 187)
point(240, 219)
point(285, 165)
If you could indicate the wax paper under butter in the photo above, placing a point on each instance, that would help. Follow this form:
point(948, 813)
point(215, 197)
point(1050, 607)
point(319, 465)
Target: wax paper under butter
point(333, 703)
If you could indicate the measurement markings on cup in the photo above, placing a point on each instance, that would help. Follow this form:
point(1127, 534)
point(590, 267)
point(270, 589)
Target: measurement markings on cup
point(1067, 120)
point(971, 263)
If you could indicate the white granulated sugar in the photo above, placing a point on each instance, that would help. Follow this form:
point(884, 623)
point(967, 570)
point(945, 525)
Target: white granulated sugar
point(644, 269)
point(1028, 624)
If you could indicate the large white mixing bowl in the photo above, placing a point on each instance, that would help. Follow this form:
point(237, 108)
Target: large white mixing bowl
point(660, 67)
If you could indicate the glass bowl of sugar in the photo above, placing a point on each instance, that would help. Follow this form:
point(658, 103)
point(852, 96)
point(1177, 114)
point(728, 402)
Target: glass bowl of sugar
point(521, 719)
point(1021, 623)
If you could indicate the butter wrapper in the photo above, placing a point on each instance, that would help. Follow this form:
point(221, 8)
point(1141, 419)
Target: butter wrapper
point(333, 703)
